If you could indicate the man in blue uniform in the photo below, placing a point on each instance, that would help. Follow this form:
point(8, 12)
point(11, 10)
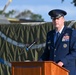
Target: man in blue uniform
point(61, 43)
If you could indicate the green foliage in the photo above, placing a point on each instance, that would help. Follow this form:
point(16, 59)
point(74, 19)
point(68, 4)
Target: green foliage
point(1, 11)
point(26, 14)
point(73, 2)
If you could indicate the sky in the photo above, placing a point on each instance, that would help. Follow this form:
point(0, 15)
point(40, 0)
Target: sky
point(41, 7)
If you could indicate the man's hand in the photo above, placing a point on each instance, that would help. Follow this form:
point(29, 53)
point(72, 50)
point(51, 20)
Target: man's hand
point(60, 63)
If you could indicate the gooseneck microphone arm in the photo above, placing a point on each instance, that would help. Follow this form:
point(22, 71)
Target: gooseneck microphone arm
point(30, 46)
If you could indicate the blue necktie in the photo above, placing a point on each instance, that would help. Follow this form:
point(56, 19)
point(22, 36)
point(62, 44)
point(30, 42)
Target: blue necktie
point(56, 37)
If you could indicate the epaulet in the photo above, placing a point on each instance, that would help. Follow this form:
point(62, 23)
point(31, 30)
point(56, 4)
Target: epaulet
point(69, 30)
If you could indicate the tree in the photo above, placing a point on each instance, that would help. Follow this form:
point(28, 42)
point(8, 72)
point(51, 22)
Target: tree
point(1, 11)
point(11, 13)
point(27, 14)
point(73, 2)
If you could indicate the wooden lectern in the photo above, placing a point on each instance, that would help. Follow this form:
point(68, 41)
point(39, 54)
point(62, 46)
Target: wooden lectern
point(38, 68)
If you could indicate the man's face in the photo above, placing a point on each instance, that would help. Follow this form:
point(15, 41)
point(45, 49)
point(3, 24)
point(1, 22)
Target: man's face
point(58, 22)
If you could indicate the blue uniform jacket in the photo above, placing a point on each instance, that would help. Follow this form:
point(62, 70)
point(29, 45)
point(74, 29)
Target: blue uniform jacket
point(64, 50)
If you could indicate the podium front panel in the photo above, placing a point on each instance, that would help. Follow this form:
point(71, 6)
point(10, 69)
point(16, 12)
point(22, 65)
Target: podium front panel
point(27, 71)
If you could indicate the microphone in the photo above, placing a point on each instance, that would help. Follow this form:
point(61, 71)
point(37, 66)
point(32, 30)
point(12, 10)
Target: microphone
point(32, 44)
point(5, 62)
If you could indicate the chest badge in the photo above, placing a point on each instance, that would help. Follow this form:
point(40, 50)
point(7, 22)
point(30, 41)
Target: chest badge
point(64, 45)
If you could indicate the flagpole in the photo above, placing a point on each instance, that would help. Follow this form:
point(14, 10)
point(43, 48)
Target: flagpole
point(9, 1)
